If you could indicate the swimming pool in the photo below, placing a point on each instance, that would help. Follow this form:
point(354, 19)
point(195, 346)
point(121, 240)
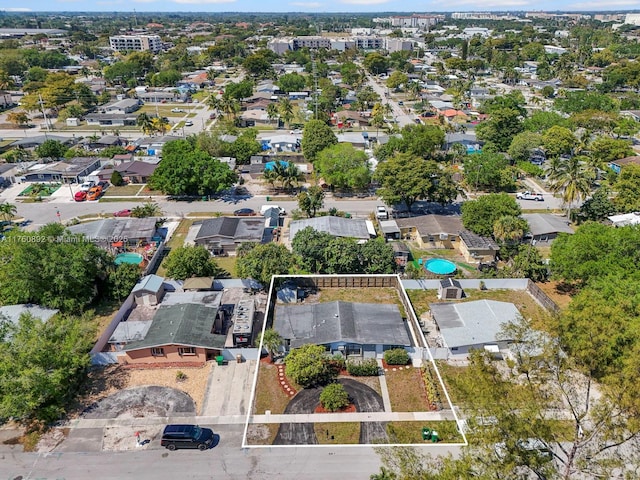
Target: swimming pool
point(440, 266)
point(272, 165)
point(129, 257)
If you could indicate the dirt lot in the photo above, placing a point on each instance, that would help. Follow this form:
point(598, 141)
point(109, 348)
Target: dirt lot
point(110, 380)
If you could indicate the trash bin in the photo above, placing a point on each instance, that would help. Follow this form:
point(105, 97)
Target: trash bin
point(434, 436)
point(268, 199)
point(347, 215)
point(220, 360)
point(426, 433)
point(239, 358)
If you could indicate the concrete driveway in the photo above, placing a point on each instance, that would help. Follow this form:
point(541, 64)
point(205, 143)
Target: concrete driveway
point(229, 389)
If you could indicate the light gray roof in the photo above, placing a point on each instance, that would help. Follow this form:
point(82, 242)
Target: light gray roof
point(546, 223)
point(336, 226)
point(205, 299)
point(472, 323)
point(236, 228)
point(432, 224)
point(150, 283)
point(13, 312)
point(323, 323)
point(389, 226)
point(187, 324)
point(130, 331)
point(111, 229)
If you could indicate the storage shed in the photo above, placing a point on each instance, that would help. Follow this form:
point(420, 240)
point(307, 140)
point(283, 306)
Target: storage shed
point(149, 290)
point(450, 289)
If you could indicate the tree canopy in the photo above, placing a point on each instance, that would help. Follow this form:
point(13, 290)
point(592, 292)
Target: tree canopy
point(317, 136)
point(261, 261)
point(309, 366)
point(191, 261)
point(343, 166)
point(187, 170)
point(51, 267)
point(480, 215)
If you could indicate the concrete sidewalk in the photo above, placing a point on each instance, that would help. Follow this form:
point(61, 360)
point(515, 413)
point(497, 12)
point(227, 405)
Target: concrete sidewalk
point(269, 418)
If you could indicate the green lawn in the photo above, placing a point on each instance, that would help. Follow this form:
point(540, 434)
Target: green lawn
point(337, 433)
point(124, 191)
point(406, 390)
point(228, 264)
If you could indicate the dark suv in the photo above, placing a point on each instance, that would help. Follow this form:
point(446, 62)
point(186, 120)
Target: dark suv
point(186, 436)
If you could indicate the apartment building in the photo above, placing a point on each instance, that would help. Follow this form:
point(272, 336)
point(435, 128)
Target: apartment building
point(140, 43)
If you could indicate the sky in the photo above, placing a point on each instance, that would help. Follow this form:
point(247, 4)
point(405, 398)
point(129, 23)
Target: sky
point(318, 6)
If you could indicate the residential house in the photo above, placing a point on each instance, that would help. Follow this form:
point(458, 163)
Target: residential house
point(477, 249)
point(223, 235)
point(468, 140)
point(184, 334)
point(625, 219)
point(431, 231)
point(618, 165)
point(73, 170)
point(350, 329)
point(122, 107)
point(113, 233)
point(153, 145)
point(112, 119)
point(336, 226)
point(472, 325)
point(156, 96)
point(251, 118)
point(136, 171)
point(389, 229)
point(37, 140)
point(284, 143)
point(348, 119)
point(545, 227)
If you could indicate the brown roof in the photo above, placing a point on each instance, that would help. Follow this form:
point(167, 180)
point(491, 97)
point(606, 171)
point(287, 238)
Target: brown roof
point(432, 224)
point(627, 161)
point(136, 168)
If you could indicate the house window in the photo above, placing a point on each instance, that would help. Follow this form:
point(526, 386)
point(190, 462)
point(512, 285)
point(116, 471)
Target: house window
point(187, 350)
point(430, 238)
point(157, 352)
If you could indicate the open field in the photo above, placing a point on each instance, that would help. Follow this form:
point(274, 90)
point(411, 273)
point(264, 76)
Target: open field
point(337, 433)
point(126, 190)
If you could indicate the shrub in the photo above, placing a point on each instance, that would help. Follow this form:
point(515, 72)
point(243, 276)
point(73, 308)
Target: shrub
point(337, 363)
point(180, 376)
point(363, 368)
point(396, 356)
point(116, 179)
point(334, 397)
point(309, 366)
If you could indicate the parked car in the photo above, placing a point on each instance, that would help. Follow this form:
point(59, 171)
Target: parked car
point(122, 213)
point(94, 193)
point(186, 436)
point(103, 185)
point(80, 196)
point(530, 196)
point(382, 213)
point(188, 123)
point(177, 110)
point(297, 131)
point(86, 186)
point(244, 212)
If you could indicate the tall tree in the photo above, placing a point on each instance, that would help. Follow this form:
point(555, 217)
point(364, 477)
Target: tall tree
point(572, 180)
point(343, 166)
point(261, 262)
point(191, 261)
point(480, 215)
point(317, 136)
point(311, 200)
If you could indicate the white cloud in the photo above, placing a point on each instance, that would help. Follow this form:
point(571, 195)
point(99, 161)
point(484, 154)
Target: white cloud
point(364, 2)
point(203, 2)
point(611, 5)
point(16, 9)
point(306, 4)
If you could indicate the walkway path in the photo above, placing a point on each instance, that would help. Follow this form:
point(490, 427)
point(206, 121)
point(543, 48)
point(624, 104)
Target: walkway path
point(386, 401)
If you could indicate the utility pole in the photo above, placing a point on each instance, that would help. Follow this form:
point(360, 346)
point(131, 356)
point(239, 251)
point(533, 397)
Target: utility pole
point(46, 120)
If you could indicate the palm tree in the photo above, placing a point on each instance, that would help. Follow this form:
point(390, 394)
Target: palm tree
point(7, 211)
point(572, 179)
point(230, 106)
point(509, 228)
point(291, 176)
point(148, 209)
point(272, 111)
point(145, 122)
point(272, 341)
point(414, 89)
point(160, 125)
point(285, 108)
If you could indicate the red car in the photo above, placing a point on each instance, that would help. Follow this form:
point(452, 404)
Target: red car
point(80, 196)
point(122, 213)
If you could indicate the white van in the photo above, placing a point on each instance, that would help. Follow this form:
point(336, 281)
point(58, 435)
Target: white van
point(264, 208)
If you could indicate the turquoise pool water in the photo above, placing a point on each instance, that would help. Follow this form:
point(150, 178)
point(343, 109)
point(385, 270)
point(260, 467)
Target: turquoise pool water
point(129, 257)
point(272, 165)
point(440, 266)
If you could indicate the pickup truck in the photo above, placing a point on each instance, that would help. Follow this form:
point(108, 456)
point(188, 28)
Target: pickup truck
point(530, 196)
point(382, 213)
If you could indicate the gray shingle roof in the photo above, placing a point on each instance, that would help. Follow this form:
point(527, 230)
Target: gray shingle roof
point(116, 228)
point(545, 223)
point(336, 226)
point(472, 323)
point(323, 323)
point(248, 229)
point(187, 324)
point(432, 224)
